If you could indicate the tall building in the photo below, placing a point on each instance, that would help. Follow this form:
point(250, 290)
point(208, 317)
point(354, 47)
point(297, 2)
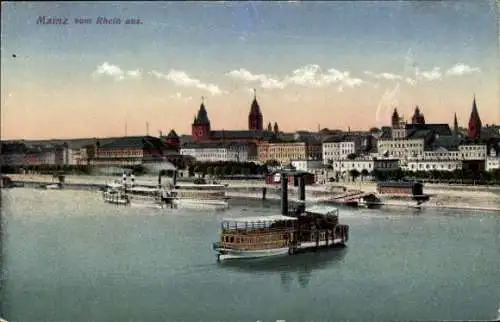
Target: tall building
point(456, 129)
point(474, 129)
point(255, 119)
point(200, 129)
point(395, 118)
point(418, 117)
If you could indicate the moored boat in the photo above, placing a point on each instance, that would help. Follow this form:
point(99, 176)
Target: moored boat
point(147, 197)
point(200, 196)
point(115, 197)
point(53, 186)
point(254, 237)
point(138, 196)
point(289, 233)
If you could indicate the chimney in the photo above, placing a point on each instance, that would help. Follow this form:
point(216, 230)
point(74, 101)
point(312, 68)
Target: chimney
point(284, 194)
point(174, 178)
point(302, 193)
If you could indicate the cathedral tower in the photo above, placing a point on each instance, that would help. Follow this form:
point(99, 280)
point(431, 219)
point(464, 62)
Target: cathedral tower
point(474, 129)
point(255, 117)
point(200, 129)
point(418, 117)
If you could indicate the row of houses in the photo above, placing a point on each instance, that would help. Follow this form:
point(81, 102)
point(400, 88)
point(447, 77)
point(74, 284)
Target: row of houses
point(412, 147)
point(117, 151)
point(340, 153)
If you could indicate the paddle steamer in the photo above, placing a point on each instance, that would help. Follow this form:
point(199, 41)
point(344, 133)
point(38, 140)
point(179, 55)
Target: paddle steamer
point(286, 234)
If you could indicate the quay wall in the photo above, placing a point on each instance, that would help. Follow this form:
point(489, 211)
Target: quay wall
point(442, 196)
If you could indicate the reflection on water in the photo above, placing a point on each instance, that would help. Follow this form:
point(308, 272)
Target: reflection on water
point(2, 299)
point(299, 267)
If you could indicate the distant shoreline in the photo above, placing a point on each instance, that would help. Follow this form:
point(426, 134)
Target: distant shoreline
point(442, 196)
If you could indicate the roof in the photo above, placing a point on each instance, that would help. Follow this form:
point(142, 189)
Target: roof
point(212, 145)
point(438, 128)
point(420, 134)
point(323, 210)
point(255, 108)
point(271, 218)
point(172, 135)
point(140, 142)
point(386, 132)
point(240, 134)
point(14, 147)
point(343, 138)
point(72, 143)
point(202, 117)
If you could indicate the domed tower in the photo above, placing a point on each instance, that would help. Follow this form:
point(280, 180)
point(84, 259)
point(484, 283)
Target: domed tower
point(418, 117)
point(172, 140)
point(276, 128)
point(200, 129)
point(474, 130)
point(255, 116)
point(395, 118)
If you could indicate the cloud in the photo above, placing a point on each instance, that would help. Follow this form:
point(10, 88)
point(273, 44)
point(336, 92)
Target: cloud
point(430, 75)
point(390, 77)
point(180, 97)
point(308, 76)
point(387, 76)
point(107, 69)
point(181, 78)
point(461, 69)
point(264, 80)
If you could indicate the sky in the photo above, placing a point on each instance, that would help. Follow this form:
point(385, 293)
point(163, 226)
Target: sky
point(313, 64)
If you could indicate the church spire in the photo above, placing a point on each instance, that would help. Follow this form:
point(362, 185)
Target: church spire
point(255, 119)
point(474, 130)
point(455, 124)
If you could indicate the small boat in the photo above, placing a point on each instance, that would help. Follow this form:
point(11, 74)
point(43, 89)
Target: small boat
point(53, 186)
point(115, 196)
point(138, 196)
point(263, 236)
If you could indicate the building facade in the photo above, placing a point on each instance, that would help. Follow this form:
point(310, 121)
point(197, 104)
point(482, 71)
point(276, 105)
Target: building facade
point(284, 152)
point(220, 151)
point(307, 165)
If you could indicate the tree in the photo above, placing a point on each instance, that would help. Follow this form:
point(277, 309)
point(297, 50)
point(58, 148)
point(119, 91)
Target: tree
point(234, 169)
point(227, 169)
point(218, 170)
point(245, 171)
point(354, 174)
point(272, 163)
point(364, 173)
point(210, 170)
point(351, 156)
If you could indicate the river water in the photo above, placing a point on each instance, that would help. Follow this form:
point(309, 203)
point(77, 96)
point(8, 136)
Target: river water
point(67, 256)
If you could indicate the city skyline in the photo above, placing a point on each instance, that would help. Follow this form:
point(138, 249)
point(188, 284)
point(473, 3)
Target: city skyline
point(334, 65)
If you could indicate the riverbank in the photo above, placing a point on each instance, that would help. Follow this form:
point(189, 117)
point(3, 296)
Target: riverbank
point(442, 196)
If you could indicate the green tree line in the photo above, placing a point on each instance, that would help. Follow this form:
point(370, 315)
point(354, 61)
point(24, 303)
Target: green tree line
point(456, 176)
point(227, 168)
